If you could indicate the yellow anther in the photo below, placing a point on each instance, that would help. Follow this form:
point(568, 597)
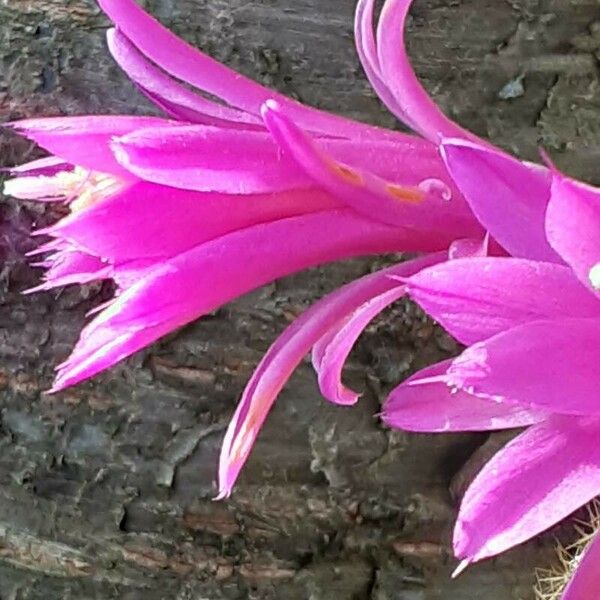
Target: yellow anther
point(345, 172)
point(404, 194)
point(259, 407)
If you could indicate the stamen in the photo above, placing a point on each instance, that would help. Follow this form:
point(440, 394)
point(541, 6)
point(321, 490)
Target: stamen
point(404, 194)
point(345, 172)
point(78, 187)
point(94, 187)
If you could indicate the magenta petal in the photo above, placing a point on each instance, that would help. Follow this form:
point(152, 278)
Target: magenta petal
point(188, 64)
point(367, 52)
point(331, 352)
point(415, 105)
point(84, 141)
point(41, 188)
point(406, 160)
point(198, 281)
point(475, 298)
point(243, 161)
point(47, 166)
point(172, 221)
point(512, 203)
point(573, 224)
point(551, 365)
point(585, 583)
point(434, 407)
point(286, 353)
point(429, 205)
point(206, 158)
point(177, 100)
point(71, 266)
point(534, 482)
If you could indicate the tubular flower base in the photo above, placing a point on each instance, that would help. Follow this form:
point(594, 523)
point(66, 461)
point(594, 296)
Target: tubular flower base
point(532, 328)
point(237, 176)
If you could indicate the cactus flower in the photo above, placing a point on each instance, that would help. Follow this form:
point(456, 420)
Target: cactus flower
point(239, 185)
point(532, 329)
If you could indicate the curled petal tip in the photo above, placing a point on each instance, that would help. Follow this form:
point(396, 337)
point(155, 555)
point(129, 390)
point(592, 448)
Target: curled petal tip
point(272, 113)
point(222, 495)
point(347, 397)
point(270, 105)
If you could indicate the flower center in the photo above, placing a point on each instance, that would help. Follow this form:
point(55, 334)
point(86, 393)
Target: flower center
point(80, 187)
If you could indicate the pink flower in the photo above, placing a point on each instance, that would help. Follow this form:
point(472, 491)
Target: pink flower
point(231, 192)
point(532, 328)
point(334, 323)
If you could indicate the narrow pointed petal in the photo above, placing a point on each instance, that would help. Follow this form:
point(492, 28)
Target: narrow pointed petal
point(84, 141)
point(285, 355)
point(364, 37)
point(71, 266)
point(211, 159)
point(51, 246)
point(550, 365)
point(415, 104)
point(585, 583)
point(47, 166)
point(434, 407)
point(366, 48)
point(188, 64)
point(537, 480)
point(173, 221)
point(476, 298)
point(177, 100)
point(244, 161)
point(573, 224)
point(428, 205)
point(331, 352)
point(198, 281)
point(42, 188)
point(512, 203)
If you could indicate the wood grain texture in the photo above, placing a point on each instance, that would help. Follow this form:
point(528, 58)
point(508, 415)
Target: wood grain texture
point(105, 489)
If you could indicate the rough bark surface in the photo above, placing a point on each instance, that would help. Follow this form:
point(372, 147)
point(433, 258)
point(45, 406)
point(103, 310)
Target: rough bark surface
point(105, 489)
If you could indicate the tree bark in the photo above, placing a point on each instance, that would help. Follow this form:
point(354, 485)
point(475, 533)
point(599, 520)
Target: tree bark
point(106, 488)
